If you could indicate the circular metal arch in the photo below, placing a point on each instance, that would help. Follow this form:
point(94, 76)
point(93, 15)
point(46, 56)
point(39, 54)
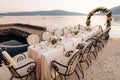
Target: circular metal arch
point(103, 10)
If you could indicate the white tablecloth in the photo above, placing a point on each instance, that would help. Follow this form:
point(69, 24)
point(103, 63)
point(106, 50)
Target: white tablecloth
point(43, 58)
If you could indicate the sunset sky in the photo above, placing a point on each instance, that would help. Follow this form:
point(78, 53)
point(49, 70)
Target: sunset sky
point(83, 6)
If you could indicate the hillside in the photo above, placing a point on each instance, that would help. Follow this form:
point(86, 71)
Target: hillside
point(115, 10)
point(49, 13)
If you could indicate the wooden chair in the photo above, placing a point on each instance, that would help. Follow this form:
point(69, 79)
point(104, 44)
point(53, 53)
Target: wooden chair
point(100, 29)
point(76, 27)
point(66, 65)
point(71, 28)
point(106, 35)
point(13, 48)
point(57, 32)
point(98, 41)
point(86, 48)
point(33, 39)
point(79, 26)
point(20, 69)
point(66, 31)
point(45, 36)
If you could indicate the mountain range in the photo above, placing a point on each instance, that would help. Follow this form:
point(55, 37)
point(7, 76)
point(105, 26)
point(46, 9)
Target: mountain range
point(115, 11)
point(50, 13)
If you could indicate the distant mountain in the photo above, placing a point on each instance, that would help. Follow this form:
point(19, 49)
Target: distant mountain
point(115, 10)
point(49, 13)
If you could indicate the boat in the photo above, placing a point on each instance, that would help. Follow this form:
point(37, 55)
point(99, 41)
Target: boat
point(13, 37)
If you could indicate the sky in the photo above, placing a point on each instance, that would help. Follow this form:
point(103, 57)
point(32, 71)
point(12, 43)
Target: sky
point(83, 6)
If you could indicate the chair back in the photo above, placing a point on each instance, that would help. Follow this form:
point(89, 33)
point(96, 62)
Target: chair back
point(33, 39)
point(57, 32)
point(76, 27)
point(85, 50)
point(71, 28)
point(99, 36)
point(8, 59)
point(74, 59)
point(87, 47)
point(10, 63)
point(79, 26)
point(66, 31)
point(20, 69)
point(107, 31)
point(99, 28)
point(45, 36)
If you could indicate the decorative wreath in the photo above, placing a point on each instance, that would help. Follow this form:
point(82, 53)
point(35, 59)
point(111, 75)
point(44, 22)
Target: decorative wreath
point(103, 10)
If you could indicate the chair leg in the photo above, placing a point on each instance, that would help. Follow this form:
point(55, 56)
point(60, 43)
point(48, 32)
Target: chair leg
point(11, 78)
point(102, 43)
point(65, 77)
point(96, 51)
point(87, 63)
point(35, 75)
point(98, 47)
point(101, 46)
point(89, 59)
point(77, 75)
point(80, 69)
point(55, 75)
point(27, 78)
point(94, 54)
point(60, 76)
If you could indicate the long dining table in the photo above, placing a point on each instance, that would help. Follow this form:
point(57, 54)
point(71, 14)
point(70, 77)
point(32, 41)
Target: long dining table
point(43, 53)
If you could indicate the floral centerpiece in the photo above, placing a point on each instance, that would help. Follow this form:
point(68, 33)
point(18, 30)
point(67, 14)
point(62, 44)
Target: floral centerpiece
point(75, 32)
point(88, 28)
point(54, 39)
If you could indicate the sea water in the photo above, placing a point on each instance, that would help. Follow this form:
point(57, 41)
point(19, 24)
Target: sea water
point(52, 22)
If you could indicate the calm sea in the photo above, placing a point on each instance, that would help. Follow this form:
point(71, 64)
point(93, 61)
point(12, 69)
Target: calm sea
point(52, 22)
